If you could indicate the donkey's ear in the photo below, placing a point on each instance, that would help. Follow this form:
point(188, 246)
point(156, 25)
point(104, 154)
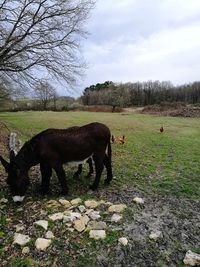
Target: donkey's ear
point(12, 155)
point(5, 164)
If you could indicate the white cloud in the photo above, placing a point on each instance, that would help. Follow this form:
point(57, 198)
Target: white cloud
point(141, 40)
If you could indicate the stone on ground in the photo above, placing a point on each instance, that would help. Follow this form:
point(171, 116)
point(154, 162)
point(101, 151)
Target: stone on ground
point(97, 234)
point(53, 204)
point(76, 201)
point(79, 225)
point(93, 214)
point(81, 208)
point(21, 239)
point(42, 223)
point(91, 204)
point(192, 259)
point(65, 203)
point(117, 208)
point(25, 250)
point(155, 235)
point(56, 216)
point(49, 235)
point(94, 225)
point(116, 217)
point(138, 200)
point(123, 241)
point(42, 243)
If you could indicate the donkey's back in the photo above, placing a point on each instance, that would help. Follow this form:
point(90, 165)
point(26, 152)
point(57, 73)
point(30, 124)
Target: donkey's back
point(73, 144)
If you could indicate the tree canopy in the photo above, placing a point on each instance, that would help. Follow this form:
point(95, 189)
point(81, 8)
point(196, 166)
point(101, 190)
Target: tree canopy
point(42, 36)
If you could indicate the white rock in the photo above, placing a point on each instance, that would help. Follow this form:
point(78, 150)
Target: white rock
point(70, 229)
point(81, 208)
point(94, 225)
point(138, 200)
point(43, 212)
point(42, 243)
point(21, 239)
point(192, 259)
point(94, 215)
point(117, 208)
point(42, 223)
point(19, 227)
point(53, 204)
point(71, 216)
point(4, 200)
point(86, 219)
point(76, 201)
point(25, 250)
point(56, 216)
point(116, 217)
point(91, 204)
point(79, 225)
point(65, 203)
point(155, 235)
point(49, 235)
point(123, 241)
point(97, 234)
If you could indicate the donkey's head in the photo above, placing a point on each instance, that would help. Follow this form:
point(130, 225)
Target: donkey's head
point(17, 180)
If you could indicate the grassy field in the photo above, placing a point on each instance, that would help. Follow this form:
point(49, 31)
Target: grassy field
point(168, 163)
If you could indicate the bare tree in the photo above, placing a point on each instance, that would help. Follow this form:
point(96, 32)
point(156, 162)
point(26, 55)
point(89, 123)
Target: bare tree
point(42, 36)
point(8, 90)
point(44, 92)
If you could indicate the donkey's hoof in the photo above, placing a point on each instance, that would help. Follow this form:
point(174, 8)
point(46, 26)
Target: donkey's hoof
point(107, 182)
point(64, 192)
point(44, 192)
point(93, 187)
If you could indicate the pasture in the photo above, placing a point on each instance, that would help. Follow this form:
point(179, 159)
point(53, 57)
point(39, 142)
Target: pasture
point(163, 168)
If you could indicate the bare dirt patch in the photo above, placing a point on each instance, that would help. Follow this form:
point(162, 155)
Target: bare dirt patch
point(173, 109)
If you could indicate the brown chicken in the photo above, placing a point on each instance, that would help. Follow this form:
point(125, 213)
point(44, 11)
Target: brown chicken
point(122, 140)
point(113, 138)
point(161, 129)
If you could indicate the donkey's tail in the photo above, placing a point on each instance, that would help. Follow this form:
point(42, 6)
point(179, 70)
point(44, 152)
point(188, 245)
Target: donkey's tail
point(109, 151)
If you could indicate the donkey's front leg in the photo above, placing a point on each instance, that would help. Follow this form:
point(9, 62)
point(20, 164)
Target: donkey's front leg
point(46, 172)
point(62, 178)
point(91, 170)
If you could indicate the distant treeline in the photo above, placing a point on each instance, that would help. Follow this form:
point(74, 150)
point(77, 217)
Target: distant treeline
point(140, 93)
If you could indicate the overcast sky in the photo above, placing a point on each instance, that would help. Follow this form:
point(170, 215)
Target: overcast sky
point(140, 40)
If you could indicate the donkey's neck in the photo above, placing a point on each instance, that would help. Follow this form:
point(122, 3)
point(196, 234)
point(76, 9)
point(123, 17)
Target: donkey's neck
point(26, 158)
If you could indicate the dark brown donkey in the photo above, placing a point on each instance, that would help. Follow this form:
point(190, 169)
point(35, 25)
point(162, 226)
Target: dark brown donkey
point(54, 147)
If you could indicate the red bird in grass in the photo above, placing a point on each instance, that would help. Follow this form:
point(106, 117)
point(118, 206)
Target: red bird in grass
point(161, 129)
point(122, 140)
point(113, 138)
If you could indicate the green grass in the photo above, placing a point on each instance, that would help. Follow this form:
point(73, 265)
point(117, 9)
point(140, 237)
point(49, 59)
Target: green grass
point(168, 163)
point(22, 262)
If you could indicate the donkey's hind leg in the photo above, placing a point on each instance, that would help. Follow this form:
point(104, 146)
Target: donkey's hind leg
point(46, 172)
point(62, 178)
point(107, 163)
point(98, 160)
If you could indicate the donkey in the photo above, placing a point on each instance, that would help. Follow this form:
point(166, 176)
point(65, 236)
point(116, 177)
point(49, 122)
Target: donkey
point(54, 147)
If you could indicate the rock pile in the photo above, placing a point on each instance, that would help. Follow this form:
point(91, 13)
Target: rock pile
point(84, 217)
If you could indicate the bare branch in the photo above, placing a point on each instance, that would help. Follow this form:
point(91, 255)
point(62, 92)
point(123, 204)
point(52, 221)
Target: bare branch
point(44, 34)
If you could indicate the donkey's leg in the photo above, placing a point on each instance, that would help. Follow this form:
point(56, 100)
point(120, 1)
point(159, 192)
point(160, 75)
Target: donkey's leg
point(62, 178)
point(79, 171)
point(107, 163)
point(91, 170)
point(98, 160)
point(46, 172)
